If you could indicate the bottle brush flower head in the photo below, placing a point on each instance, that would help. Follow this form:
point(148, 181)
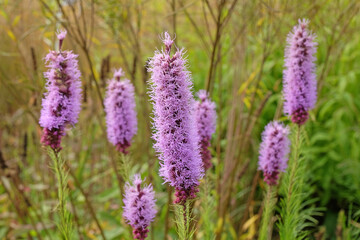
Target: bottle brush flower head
point(299, 78)
point(274, 151)
point(62, 101)
point(206, 124)
point(139, 207)
point(120, 111)
point(174, 122)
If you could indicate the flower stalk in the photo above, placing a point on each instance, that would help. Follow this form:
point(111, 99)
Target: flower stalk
point(65, 224)
point(265, 231)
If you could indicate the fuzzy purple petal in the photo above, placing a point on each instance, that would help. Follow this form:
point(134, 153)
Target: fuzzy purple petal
point(139, 207)
point(274, 151)
point(174, 121)
point(120, 111)
point(206, 124)
point(299, 79)
point(62, 102)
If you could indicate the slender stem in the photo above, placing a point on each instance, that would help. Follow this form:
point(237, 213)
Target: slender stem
point(186, 209)
point(65, 216)
point(183, 219)
point(97, 86)
point(269, 204)
point(291, 205)
point(293, 167)
point(119, 177)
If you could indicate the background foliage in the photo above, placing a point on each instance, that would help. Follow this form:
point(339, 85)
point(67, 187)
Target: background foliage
point(235, 50)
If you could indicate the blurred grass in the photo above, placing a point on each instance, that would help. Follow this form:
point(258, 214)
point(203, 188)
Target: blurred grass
point(251, 49)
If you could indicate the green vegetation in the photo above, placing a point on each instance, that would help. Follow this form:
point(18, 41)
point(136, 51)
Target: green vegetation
point(235, 50)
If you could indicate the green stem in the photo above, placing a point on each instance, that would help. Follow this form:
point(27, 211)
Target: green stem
point(65, 225)
point(293, 168)
point(293, 188)
point(269, 205)
point(182, 213)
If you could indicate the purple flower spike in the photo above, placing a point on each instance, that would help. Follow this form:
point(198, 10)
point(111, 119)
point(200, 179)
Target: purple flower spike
point(174, 121)
point(274, 151)
point(120, 112)
point(299, 74)
point(62, 102)
point(206, 125)
point(139, 209)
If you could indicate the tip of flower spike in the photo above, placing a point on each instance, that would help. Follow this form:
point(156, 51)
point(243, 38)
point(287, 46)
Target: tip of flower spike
point(278, 126)
point(202, 95)
point(137, 180)
point(61, 34)
point(119, 73)
point(167, 41)
point(303, 23)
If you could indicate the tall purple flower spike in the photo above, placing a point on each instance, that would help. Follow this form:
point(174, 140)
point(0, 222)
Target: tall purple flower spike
point(274, 151)
point(120, 112)
point(299, 73)
point(206, 125)
point(174, 122)
point(139, 207)
point(62, 102)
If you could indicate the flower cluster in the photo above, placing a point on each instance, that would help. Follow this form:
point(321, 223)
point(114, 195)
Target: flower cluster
point(139, 207)
point(174, 121)
point(299, 74)
point(206, 124)
point(120, 112)
point(62, 102)
point(274, 151)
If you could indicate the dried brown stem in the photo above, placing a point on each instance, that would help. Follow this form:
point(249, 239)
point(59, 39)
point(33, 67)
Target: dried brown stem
point(87, 200)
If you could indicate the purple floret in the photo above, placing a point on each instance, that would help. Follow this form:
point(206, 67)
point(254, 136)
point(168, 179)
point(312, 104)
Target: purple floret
point(139, 207)
point(274, 151)
point(206, 125)
point(120, 111)
point(62, 102)
point(174, 122)
point(299, 75)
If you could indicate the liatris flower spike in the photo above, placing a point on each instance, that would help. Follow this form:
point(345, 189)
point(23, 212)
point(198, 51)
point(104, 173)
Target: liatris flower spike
point(206, 125)
point(299, 74)
point(139, 207)
point(120, 112)
point(274, 151)
point(174, 121)
point(62, 102)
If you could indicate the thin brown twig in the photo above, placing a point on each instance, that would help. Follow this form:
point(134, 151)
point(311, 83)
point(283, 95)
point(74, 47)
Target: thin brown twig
point(196, 27)
point(249, 200)
point(87, 201)
point(76, 217)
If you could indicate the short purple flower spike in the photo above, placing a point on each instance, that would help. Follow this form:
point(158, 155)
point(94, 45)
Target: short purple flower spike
point(62, 102)
point(120, 112)
point(299, 74)
point(174, 121)
point(206, 125)
point(139, 209)
point(274, 151)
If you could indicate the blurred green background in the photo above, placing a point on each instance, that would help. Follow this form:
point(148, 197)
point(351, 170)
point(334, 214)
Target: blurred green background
point(235, 50)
